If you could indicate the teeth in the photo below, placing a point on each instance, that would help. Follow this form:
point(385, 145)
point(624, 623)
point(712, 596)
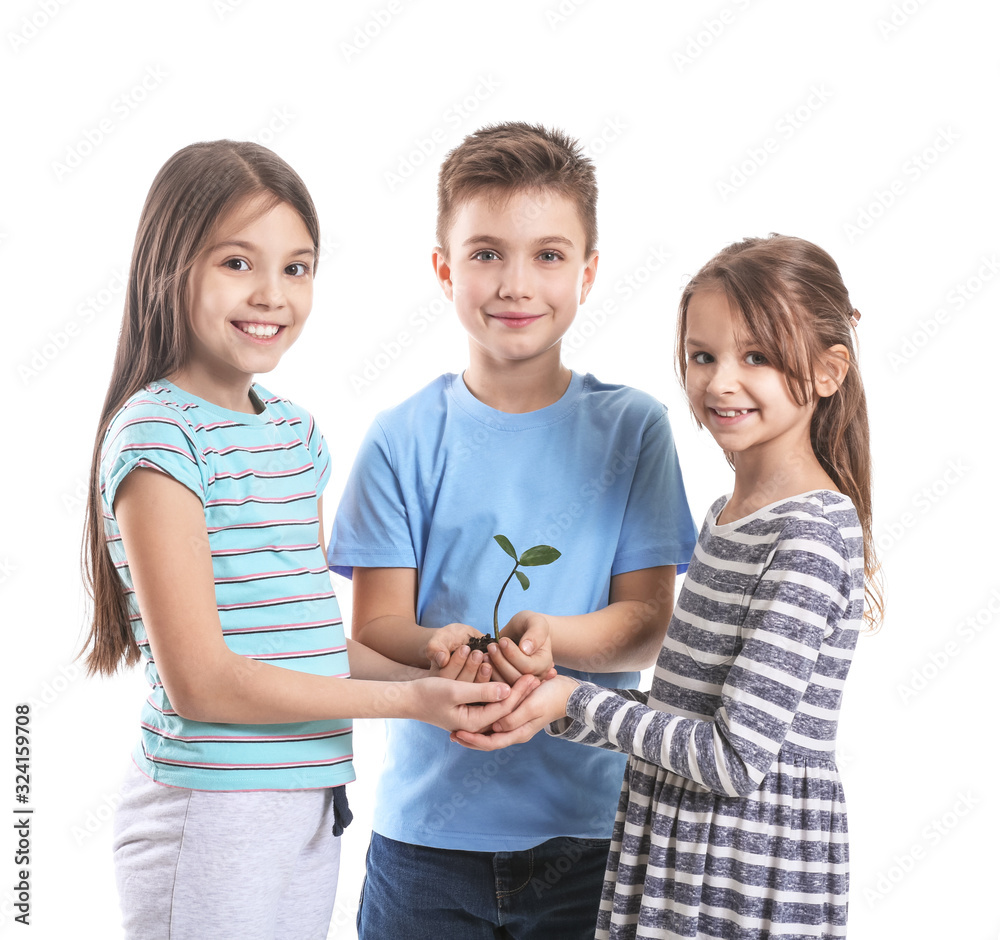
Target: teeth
point(731, 414)
point(260, 329)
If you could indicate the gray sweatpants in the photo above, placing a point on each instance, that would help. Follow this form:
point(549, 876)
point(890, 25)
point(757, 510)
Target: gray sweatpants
point(252, 865)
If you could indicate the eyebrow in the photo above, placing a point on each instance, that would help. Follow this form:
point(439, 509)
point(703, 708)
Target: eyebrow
point(250, 246)
point(494, 240)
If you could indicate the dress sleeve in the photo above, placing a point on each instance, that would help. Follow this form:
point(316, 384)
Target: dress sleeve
point(147, 434)
point(371, 528)
point(657, 528)
point(801, 596)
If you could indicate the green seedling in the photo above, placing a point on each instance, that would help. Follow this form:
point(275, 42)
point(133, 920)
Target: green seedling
point(534, 557)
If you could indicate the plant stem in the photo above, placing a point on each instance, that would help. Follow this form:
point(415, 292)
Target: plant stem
point(496, 608)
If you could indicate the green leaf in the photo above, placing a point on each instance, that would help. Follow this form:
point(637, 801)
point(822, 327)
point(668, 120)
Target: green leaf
point(539, 555)
point(523, 578)
point(504, 543)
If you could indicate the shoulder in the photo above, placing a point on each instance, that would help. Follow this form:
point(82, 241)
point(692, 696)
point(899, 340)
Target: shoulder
point(620, 402)
point(823, 523)
point(155, 404)
point(422, 406)
point(283, 408)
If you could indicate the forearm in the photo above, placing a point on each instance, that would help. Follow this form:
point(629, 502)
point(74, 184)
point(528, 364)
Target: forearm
point(367, 663)
point(625, 636)
point(399, 639)
point(234, 689)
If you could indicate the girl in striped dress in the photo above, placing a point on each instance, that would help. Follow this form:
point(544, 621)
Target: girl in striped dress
point(205, 559)
point(731, 821)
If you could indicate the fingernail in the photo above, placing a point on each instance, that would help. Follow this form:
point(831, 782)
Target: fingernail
point(528, 647)
point(441, 658)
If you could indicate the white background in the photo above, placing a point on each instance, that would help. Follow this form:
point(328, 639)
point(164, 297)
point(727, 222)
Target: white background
point(882, 119)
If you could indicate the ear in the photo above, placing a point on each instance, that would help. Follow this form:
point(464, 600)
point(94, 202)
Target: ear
point(589, 273)
point(832, 371)
point(442, 271)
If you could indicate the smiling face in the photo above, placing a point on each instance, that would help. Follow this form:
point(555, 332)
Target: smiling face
point(743, 400)
point(516, 269)
point(249, 294)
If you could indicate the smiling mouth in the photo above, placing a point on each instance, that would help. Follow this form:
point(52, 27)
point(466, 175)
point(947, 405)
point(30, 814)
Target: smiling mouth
point(515, 319)
point(732, 412)
point(258, 330)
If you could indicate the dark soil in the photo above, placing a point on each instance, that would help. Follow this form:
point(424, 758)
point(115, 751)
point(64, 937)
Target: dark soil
point(480, 643)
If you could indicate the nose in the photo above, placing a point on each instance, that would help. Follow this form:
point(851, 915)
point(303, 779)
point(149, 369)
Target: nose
point(516, 279)
point(268, 291)
point(722, 378)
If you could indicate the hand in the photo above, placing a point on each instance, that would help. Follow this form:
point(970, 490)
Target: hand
point(547, 703)
point(444, 641)
point(525, 648)
point(464, 664)
point(457, 705)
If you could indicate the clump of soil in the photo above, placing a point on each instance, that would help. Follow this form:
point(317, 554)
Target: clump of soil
point(481, 643)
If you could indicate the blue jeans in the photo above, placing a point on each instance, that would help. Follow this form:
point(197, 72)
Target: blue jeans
point(550, 891)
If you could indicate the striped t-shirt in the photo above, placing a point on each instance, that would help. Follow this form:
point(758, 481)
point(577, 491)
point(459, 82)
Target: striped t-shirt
point(259, 477)
point(731, 822)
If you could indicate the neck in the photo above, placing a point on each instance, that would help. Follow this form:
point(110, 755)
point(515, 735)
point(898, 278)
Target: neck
point(232, 397)
point(761, 481)
point(518, 387)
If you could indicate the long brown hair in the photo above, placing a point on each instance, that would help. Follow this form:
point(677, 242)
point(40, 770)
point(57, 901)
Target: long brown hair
point(793, 303)
point(194, 191)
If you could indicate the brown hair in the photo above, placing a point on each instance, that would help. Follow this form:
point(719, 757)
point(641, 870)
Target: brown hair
point(792, 300)
point(502, 159)
point(194, 191)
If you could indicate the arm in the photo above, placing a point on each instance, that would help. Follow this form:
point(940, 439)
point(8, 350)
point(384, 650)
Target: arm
point(163, 531)
point(624, 636)
point(799, 594)
point(384, 619)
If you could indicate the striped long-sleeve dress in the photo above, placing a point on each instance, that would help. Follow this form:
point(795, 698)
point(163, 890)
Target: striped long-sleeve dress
point(731, 821)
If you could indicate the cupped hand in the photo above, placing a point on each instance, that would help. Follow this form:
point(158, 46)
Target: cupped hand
point(444, 641)
point(538, 708)
point(464, 664)
point(525, 648)
point(467, 706)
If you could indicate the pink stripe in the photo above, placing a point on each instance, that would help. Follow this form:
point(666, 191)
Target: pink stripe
point(254, 738)
point(271, 574)
point(258, 499)
point(290, 599)
point(276, 765)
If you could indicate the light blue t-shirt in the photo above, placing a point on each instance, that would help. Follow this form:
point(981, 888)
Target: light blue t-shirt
point(258, 477)
point(595, 475)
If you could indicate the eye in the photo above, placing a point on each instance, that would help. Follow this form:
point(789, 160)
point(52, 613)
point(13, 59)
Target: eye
point(234, 264)
point(702, 358)
point(298, 269)
point(485, 254)
point(550, 256)
point(755, 359)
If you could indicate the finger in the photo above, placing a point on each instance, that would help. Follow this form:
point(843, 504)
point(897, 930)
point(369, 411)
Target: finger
point(489, 714)
point(470, 669)
point(453, 666)
point(515, 659)
point(492, 742)
point(535, 634)
point(485, 672)
point(501, 665)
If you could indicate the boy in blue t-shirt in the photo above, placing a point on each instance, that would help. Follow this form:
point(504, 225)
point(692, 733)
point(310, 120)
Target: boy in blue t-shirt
point(514, 844)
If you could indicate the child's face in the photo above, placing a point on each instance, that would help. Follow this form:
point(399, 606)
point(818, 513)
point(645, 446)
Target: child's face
point(743, 400)
point(516, 270)
point(249, 295)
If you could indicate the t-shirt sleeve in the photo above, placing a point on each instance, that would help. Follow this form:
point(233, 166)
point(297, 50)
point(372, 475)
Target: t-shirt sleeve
point(372, 527)
point(318, 451)
point(801, 596)
point(146, 434)
point(657, 528)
